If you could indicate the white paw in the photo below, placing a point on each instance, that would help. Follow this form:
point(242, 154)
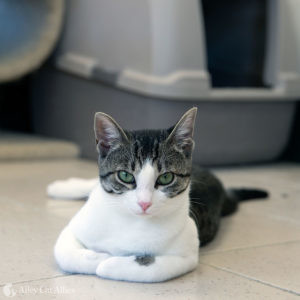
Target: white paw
point(91, 255)
point(88, 260)
point(72, 188)
point(110, 268)
point(126, 268)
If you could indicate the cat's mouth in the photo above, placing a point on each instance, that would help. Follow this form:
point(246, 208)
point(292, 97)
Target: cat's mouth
point(143, 214)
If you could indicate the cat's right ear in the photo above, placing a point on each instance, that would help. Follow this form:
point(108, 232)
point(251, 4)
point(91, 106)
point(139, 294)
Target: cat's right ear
point(182, 133)
point(108, 133)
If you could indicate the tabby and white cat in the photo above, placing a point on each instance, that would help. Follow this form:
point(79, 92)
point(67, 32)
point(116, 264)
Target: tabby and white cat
point(146, 216)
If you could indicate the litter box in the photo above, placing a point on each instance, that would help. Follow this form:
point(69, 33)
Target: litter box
point(147, 62)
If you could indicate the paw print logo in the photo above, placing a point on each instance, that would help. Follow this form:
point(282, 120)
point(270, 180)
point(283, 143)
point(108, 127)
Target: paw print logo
point(8, 290)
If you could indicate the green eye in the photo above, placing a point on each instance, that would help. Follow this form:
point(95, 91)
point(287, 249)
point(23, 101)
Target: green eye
point(165, 178)
point(126, 177)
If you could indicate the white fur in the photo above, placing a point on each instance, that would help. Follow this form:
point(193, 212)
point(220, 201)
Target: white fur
point(145, 187)
point(110, 230)
point(72, 188)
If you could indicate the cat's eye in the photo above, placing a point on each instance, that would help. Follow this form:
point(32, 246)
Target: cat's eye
point(126, 177)
point(165, 178)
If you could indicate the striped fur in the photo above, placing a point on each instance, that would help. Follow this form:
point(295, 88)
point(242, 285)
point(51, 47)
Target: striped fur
point(161, 148)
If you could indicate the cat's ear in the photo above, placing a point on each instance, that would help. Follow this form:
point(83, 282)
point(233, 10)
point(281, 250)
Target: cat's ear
point(108, 133)
point(181, 135)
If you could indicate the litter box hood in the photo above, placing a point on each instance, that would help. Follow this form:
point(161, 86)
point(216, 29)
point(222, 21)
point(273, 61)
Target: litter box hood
point(145, 63)
point(157, 48)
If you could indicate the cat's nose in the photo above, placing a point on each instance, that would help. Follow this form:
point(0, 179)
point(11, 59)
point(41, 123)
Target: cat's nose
point(144, 205)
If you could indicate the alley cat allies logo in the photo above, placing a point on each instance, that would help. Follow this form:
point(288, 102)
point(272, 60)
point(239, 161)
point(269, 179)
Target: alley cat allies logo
point(10, 291)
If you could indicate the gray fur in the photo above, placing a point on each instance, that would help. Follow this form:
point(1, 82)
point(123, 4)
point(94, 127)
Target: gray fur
point(145, 260)
point(160, 147)
point(168, 150)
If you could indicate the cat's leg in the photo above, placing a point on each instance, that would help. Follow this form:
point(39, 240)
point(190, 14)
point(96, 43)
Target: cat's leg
point(146, 268)
point(72, 188)
point(73, 257)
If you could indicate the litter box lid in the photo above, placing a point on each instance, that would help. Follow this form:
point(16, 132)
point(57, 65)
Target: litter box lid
point(157, 48)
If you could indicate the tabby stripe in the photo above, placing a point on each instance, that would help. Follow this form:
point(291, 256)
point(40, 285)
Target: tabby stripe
point(106, 190)
point(135, 149)
point(112, 191)
point(183, 175)
point(139, 155)
point(133, 165)
point(106, 175)
point(180, 192)
point(159, 166)
point(155, 152)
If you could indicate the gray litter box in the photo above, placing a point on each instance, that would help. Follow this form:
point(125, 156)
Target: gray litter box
point(145, 63)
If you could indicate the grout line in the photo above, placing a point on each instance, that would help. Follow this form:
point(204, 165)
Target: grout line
point(211, 252)
point(201, 254)
point(252, 279)
point(38, 279)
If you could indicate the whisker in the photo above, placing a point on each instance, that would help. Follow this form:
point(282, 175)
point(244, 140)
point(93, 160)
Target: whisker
point(194, 217)
point(198, 203)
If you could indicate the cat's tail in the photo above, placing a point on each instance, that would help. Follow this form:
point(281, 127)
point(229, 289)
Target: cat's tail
point(235, 195)
point(72, 188)
point(247, 194)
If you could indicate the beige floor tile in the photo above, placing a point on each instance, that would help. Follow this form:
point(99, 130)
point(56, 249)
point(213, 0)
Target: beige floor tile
point(282, 177)
point(246, 229)
point(277, 265)
point(261, 222)
point(30, 223)
point(205, 283)
point(29, 232)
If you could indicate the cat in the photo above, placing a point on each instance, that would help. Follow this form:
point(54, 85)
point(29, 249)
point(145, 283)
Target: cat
point(150, 209)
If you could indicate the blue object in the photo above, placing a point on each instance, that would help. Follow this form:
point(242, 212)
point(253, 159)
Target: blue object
point(28, 32)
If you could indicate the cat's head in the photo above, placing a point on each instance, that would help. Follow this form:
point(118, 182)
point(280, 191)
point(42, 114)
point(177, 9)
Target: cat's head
point(145, 172)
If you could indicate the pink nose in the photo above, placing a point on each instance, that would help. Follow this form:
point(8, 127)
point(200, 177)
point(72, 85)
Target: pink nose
point(144, 205)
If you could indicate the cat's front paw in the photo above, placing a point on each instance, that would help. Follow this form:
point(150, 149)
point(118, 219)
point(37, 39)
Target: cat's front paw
point(90, 255)
point(114, 267)
point(82, 261)
point(107, 268)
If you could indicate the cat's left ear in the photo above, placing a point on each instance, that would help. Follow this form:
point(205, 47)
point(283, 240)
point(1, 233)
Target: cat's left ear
point(108, 133)
point(182, 133)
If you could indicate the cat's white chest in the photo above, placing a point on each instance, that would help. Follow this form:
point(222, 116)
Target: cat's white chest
point(103, 230)
point(129, 239)
point(121, 237)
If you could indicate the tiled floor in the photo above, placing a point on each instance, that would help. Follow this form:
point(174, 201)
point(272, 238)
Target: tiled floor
point(256, 254)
